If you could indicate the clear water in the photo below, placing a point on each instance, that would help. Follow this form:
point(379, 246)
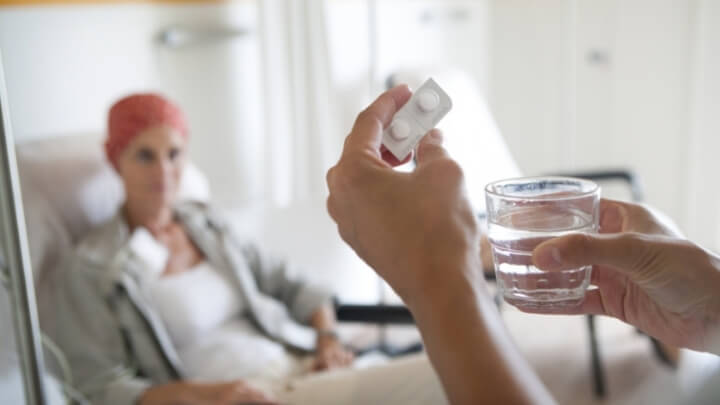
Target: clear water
point(513, 238)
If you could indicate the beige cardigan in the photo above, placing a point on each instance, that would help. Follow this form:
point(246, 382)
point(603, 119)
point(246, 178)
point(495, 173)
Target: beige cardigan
point(116, 344)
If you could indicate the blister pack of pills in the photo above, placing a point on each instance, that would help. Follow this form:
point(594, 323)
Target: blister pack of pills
point(427, 106)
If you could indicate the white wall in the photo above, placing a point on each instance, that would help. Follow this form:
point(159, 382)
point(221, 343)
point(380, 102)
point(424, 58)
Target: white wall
point(557, 108)
point(370, 40)
point(62, 74)
point(702, 212)
point(652, 84)
point(528, 79)
point(426, 34)
point(65, 65)
point(562, 109)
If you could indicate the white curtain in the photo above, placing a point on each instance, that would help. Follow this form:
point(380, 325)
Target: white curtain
point(260, 103)
point(301, 132)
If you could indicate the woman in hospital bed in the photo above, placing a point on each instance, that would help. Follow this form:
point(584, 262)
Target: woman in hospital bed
point(163, 304)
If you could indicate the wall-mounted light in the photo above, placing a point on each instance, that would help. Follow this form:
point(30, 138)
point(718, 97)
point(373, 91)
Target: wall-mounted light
point(185, 36)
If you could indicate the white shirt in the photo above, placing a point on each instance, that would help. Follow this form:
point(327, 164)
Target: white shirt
point(207, 322)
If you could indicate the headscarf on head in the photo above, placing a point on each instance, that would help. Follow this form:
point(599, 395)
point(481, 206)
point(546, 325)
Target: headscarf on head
point(136, 113)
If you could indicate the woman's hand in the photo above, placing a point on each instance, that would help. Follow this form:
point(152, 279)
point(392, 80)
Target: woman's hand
point(331, 354)
point(188, 393)
point(646, 275)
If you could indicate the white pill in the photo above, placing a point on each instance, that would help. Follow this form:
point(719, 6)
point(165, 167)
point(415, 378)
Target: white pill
point(428, 100)
point(400, 130)
point(427, 106)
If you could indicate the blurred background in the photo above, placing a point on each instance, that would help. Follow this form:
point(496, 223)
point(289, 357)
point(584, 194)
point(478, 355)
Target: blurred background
point(271, 88)
point(572, 84)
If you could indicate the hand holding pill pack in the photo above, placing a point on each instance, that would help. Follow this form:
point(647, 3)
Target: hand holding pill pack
point(427, 106)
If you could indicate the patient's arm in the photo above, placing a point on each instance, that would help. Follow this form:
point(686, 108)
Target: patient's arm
point(281, 280)
point(329, 353)
point(188, 393)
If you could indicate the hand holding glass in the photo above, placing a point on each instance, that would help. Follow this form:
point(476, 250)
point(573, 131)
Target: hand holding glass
point(524, 212)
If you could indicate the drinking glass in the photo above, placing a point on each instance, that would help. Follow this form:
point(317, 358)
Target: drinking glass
point(524, 212)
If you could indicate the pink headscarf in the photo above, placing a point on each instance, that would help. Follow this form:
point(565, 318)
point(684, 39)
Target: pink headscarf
point(135, 113)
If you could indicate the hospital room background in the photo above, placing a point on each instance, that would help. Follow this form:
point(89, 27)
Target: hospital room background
point(271, 88)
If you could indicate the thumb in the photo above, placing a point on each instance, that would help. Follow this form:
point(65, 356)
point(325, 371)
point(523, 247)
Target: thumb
point(629, 253)
point(430, 147)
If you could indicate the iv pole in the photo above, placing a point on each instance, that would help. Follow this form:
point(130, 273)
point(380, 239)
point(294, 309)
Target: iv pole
point(17, 260)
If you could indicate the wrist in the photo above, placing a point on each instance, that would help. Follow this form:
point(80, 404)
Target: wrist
point(447, 280)
point(443, 303)
point(327, 335)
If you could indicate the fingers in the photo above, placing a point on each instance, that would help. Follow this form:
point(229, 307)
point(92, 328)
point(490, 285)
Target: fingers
point(344, 358)
point(619, 216)
point(334, 358)
point(606, 299)
point(238, 392)
point(246, 390)
point(430, 147)
point(321, 363)
point(612, 216)
point(330, 206)
point(390, 159)
point(367, 131)
point(632, 254)
point(591, 305)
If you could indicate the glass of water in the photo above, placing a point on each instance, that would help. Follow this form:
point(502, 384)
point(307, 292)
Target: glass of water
point(524, 212)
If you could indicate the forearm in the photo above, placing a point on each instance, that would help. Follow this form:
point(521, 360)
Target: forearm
point(323, 319)
point(174, 393)
point(469, 346)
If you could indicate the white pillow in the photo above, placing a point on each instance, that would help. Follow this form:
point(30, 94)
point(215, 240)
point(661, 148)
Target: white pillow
point(68, 187)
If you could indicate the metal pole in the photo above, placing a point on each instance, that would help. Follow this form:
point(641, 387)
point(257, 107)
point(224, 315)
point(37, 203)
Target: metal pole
point(17, 258)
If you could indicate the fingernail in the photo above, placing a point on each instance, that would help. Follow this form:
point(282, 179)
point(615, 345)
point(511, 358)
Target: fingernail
point(611, 219)
point(436, 136)
point(401, 85)
point(547, 256)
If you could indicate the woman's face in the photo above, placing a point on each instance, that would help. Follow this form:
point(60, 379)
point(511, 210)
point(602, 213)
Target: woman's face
point(151, 166)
